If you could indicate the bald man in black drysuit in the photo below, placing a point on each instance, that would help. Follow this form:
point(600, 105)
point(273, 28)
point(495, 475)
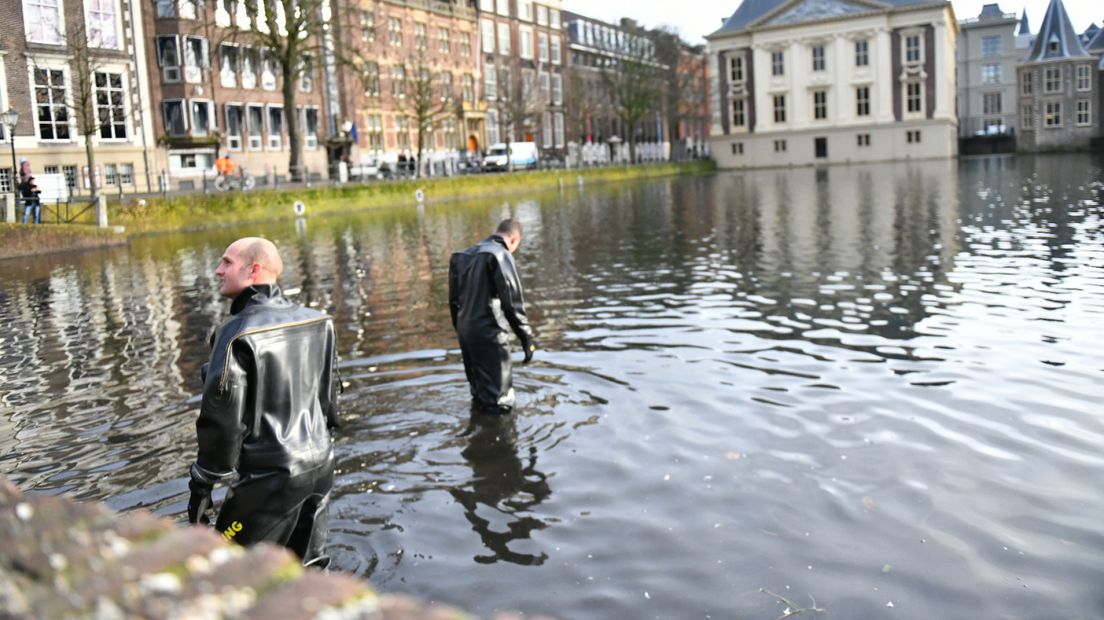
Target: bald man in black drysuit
point(485, 300)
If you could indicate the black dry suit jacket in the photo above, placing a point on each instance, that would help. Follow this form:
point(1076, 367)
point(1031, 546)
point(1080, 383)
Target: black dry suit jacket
point(269, 393)
point(485, 293)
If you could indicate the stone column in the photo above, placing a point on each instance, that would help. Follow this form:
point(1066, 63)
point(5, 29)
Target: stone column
point(884, 80)
point(101, 211)
point(942, 110)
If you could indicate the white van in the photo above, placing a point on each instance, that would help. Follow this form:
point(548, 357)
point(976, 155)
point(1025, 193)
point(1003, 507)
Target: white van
point(522, 154)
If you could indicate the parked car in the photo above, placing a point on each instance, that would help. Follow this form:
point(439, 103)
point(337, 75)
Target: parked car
point(522, 155)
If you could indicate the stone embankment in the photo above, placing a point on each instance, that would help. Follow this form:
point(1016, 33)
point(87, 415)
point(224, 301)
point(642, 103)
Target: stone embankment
point(65, 559)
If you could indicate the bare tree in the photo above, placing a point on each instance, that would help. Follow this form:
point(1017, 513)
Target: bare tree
point(633, 86)
point(522, 105)
point(684, 87)
point(428, 98)
point(585, 101)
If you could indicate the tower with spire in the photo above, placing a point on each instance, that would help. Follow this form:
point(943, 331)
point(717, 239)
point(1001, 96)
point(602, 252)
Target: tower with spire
point(1059, 86)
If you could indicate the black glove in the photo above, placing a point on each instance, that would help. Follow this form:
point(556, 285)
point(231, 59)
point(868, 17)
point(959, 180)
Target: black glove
point(199, 503)
point(530, 347)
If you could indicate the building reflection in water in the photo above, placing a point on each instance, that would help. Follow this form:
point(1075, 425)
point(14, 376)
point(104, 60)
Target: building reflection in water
point(502, 490)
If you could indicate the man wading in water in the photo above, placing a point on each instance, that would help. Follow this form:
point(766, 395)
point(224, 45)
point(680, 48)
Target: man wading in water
point(486, 304)
point(269, 402)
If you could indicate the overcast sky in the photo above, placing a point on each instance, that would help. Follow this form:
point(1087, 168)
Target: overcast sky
point(697, 18)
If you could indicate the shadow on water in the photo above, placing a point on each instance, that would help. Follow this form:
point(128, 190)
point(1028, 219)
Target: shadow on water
point(868, 384)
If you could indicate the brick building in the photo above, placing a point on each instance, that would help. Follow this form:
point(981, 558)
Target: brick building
point(47, 47)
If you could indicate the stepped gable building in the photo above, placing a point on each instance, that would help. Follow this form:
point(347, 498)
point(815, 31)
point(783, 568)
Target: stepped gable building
point(987, 59)
point(802, 82)
point(1059, 87)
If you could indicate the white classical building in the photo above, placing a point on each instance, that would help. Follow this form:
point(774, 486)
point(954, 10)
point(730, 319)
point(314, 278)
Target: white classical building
point(803, 82)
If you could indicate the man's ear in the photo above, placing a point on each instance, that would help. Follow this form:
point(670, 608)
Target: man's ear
point(255, 271)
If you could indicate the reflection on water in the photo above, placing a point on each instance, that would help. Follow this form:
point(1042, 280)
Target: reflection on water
point(866, 384)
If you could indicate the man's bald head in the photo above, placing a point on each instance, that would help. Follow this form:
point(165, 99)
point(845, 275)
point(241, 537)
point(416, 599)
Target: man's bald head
point(246, 262)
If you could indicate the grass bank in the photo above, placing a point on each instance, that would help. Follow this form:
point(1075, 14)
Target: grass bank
point(200, 211)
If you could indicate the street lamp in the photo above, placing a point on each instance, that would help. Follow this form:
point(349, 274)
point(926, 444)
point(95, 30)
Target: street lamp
point(11, 119)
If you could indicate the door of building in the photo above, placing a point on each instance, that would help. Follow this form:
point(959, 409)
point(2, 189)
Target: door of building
point(821, 146)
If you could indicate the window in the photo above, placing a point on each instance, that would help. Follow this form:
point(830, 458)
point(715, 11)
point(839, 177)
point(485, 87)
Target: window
point(1027, 83)
point(235, 124)
point(820, 104)
point(420, 40)
point(862, 53)
point(111, 106)
point(542, 15)
point(394, 31)
point(545, 89)
point(195, 59)
point(1083, 80)
point(555, 49)
point(368, 26)
point(554, 18)
point(51, 109)
point(546, 130)
point(778, 63)
point(269, 67)
point(557, 89)
point(306, 74)
point(126, 174)
point(446, 86)
point(398, 81)
point(991, 74)
point(525, 10)
point(991, 46)
point(504, 83)
point(504, 39)
point(913, 137)
point(487, 31)
point(558, 128)
point(256, 127)
point(502, 7)
point(542, 46)
point(70, 173)
point(486, 5)
point(912, 48)
point(102, 25)
point(818, 58)
point(402, 131)
point(42, 21)
point(375, 132)
point(1084, 112)
point(371, 79)
point(737, 148)
point(173, 112)
point(490, 85)
point(188, 9)
point(229, 65)
point(1027, 117)
point(465, 44)
point(525, 36)
point(1052, 82)
point(862, 101)
point(779, 146)
point(736, 69)
point(863, 139)
point(780, 108)
point(443, 45)
point(168, 56)
point(739, 115)
point(275, 126)
point(6, 181)
point(309, 117)
point(912, 98)
point(166, 8)
point(991, 103)
point(467, 88)
point(202, 117)
point(111, 177)
point(492, 126)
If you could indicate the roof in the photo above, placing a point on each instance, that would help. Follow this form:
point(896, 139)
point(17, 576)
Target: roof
point(1025, 28)
point(991, 11)
point(797, 11)
point(1097, 42)
point(1057, 39)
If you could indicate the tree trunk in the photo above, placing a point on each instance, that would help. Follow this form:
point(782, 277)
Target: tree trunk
point(90, 155)
point(295, 140)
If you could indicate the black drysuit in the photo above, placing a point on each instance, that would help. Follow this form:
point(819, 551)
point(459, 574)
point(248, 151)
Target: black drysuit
point(269, 402)
point(486, 303)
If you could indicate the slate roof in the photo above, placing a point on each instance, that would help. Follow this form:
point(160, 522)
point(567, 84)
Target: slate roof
point(1025, 28)
point(1097, 43)
point(1057, 40)
point(751, 11)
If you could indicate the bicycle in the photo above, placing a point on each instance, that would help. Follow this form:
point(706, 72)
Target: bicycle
point(236, 180)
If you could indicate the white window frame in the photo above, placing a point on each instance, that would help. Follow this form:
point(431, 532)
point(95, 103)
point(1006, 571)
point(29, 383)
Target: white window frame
point(1086, 78)
point(1027, 117)
point(820, 105)
point(862, 53)
point(310, 140)
point(235, 143)
point(553, 18)
point(275, 141)
point(918, 113)
point(184, 116)
point(193, 67)
point(1047, 73)
point(989, 39)
point(1083, 110)
point(525, 42)
point(736, 73)
point(228, 74)
point(862, 104)
point(124, 91)
point(39, 30)
point(819, 60)
point(249, 75)
point(493, 130)
point(558, 128)
point(502, 7)
point(1027, 83)
point(490, 82)
point(212, 121)
point(115, 21)
point(542, 15)
point(992, 73)
point(525, 10)
point(738, 113)
point(170, 74)
point(905, 37)
point(268, 70)
point(503, 38)
point(778, 63)
point(542, 46)
point(557, 89)
point(66, 104)
point(556, 49)
point(255, 142)
point(487, 36)
point(778, 106)
point(1052, 110)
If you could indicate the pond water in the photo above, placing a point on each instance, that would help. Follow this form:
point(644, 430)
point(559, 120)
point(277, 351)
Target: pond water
point(873, 390)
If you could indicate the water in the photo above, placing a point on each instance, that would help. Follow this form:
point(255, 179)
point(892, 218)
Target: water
point(875, 388)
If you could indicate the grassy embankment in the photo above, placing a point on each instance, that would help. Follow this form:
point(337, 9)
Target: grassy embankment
point(199, 211)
